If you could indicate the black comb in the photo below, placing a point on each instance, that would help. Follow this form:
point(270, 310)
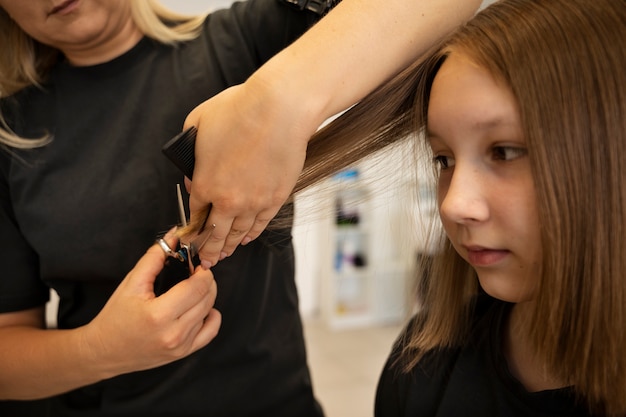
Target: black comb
point(181, 150)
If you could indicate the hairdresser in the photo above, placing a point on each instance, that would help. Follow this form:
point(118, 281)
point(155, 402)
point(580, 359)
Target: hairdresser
point(90, 92)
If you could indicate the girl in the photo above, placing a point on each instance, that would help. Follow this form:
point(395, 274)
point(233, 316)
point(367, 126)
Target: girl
point(524, 312)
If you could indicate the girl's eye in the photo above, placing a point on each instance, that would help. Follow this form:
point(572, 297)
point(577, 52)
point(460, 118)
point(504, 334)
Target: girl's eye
point(508, 153)
point(443, 162)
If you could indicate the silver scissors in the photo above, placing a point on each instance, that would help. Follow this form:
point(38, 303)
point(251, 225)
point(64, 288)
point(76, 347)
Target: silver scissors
point(188, 250)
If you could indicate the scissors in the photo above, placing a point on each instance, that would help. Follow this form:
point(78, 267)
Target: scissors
point(188, 250)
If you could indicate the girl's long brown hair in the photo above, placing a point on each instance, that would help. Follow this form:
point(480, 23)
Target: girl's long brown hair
point(564, 61)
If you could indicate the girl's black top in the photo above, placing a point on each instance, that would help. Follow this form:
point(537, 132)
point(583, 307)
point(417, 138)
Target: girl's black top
point(472, 380)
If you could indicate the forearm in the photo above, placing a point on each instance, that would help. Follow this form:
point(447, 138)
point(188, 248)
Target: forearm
point(39, 363)
point(337, 62)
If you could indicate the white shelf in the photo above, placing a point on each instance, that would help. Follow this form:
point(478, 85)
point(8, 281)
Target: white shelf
point(359, 286)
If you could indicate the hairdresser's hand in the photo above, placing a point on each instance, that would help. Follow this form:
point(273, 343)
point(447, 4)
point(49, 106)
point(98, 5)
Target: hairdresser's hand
point(250, 151)
point(136, 330)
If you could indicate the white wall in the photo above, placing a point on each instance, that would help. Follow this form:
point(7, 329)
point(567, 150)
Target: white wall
point(195, 6)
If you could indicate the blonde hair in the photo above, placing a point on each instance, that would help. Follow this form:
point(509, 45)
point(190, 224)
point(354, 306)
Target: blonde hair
point(24, 62)
point(564, 62)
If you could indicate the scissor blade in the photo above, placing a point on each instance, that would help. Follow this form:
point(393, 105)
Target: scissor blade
point(181, 207)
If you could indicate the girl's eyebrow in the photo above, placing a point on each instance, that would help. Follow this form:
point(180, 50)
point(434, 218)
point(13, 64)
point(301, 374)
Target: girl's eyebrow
point(493, 122)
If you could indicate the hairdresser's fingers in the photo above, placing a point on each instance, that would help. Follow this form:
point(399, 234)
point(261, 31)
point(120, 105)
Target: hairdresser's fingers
point(261, 222)
point(212, 249)
point(239, 229)
point(225, 237)
point(190, 300)
point(229, 232)
point(245, 230)
point(209, 329)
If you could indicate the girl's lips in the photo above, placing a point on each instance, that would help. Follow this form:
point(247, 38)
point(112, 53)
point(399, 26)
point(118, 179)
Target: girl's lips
point(64, 8)
point(485, 257)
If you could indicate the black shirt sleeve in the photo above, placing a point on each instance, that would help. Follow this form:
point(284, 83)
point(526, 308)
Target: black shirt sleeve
point(19, 287)
point(265, 26)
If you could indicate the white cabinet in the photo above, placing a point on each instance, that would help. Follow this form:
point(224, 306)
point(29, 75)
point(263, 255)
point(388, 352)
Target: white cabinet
point(387, 238)
point(364, 275)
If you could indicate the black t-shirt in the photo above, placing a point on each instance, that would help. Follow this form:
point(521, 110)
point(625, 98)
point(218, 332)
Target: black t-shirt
point(76, 215)
point(472, 380)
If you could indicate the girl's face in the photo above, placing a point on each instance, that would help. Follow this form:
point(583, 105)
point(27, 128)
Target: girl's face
point(486, 194)
point(82, 29)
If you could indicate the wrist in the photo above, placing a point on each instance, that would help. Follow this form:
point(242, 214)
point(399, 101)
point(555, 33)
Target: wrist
point(91, 352)
point(281, 94)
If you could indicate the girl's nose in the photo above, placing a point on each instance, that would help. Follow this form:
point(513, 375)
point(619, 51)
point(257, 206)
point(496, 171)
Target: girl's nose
point(463, 199)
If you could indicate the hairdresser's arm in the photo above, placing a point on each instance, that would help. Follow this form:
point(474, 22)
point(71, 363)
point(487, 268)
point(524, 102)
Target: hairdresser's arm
point(252, 138)
point(134, 331)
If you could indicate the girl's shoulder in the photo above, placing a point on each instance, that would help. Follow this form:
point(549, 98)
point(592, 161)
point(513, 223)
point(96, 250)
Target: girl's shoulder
point(471, 379)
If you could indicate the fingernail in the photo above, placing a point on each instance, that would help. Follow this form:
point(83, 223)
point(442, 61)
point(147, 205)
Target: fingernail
point(223, 255)
point(206, 265)
point(245, 241)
